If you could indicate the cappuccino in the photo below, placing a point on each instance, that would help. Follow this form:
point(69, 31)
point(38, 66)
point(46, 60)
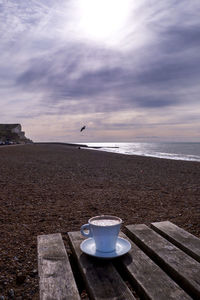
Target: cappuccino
point(104, 230)
point(105, 222)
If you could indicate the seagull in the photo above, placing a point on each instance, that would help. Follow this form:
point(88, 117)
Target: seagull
point(82, 128)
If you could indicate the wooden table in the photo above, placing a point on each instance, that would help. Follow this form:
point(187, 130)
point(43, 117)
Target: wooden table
point(163, 263)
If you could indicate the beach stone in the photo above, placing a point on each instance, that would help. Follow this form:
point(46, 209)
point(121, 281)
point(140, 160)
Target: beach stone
point(20, 278)
point(33, 273)
point(11, 294)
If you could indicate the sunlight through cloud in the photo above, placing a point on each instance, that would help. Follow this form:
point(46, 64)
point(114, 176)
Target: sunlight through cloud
point(101, 20)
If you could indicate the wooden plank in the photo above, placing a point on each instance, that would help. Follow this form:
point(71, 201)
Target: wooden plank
point(56, 277)
point(179, 237)
point(150, 281)
point(181, 267)
point(100, 276)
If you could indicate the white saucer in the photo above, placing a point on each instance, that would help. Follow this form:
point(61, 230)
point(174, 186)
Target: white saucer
point(122, 247)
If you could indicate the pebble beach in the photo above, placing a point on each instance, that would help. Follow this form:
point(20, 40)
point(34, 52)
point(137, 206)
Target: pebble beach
point(50, 188)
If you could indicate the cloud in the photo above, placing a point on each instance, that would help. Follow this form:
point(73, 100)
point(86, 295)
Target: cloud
point(50, 68)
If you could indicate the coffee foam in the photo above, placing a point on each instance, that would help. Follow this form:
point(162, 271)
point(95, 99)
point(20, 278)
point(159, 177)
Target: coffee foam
point(105, 222)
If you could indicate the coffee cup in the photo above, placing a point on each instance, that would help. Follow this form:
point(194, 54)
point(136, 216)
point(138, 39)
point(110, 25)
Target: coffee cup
point(104, 230)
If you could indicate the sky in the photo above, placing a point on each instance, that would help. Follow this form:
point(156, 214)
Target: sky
point(127, 69)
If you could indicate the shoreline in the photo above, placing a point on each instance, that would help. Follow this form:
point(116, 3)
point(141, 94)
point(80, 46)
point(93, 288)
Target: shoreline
point(73, 145)
point(49, 188)
point(106, 148)
point(103, 149)
point(140, 155)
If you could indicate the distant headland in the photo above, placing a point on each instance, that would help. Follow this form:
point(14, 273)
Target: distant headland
point(12, 134)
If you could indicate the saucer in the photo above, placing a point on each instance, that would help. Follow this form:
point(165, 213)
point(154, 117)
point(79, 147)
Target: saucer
point(122, 247)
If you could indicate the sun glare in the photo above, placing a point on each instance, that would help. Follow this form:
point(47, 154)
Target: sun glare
point(103, 19)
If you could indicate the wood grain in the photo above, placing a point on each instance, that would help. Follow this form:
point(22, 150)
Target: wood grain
point(179, 237)
point(56, 277)
point(181, 267)
point(149, 279)
point(100, 276)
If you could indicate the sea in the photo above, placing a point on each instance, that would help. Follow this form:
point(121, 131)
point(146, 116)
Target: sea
point(170, 150)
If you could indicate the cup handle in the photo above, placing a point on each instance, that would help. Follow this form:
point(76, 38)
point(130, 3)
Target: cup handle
point(86, 226)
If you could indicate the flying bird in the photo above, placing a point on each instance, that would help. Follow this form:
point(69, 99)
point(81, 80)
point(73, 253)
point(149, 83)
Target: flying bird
point(82, 128)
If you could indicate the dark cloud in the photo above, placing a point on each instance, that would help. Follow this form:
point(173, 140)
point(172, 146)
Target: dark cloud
point(181, 38)
point(170, 72)
point(110, 87)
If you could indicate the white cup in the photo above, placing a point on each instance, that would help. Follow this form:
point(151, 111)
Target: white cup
point(104, 230)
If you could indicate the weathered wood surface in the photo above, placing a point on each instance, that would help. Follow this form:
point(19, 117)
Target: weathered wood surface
point(56, 277)
point(150, 281)
point(179, 237)
point(100, 276)
point(181, 267)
